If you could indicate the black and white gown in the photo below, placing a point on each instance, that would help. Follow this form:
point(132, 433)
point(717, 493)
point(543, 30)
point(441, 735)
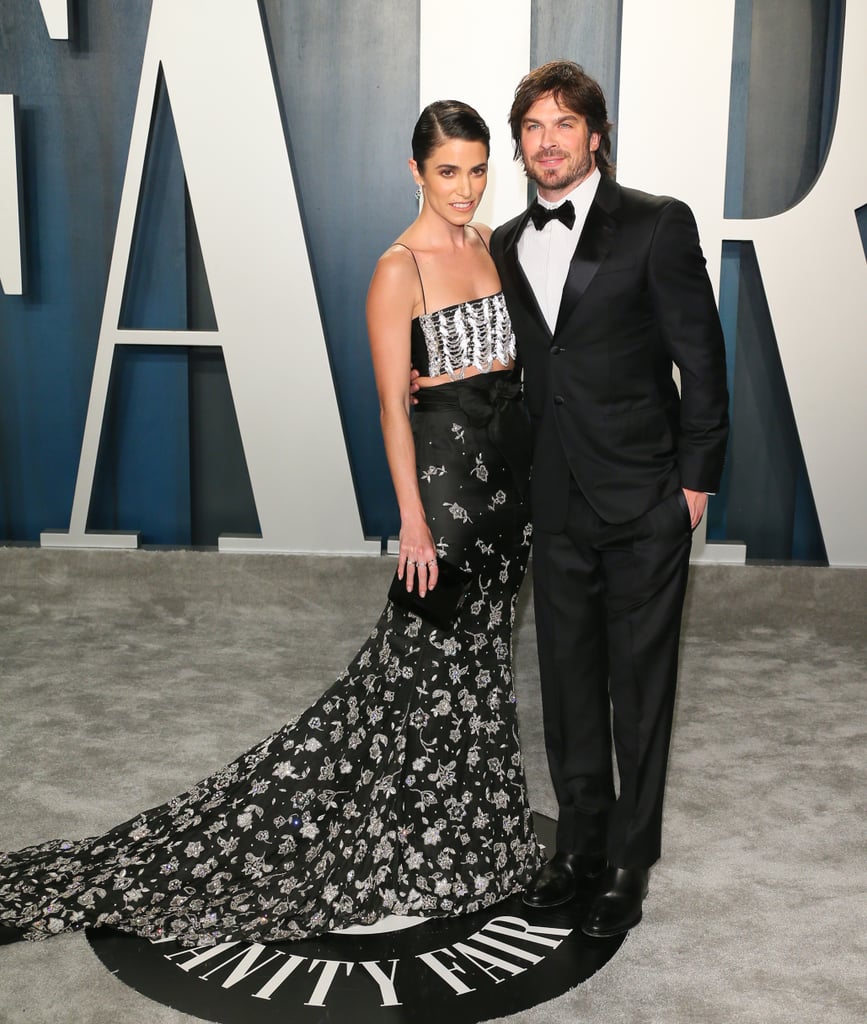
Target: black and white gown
point(401, 790)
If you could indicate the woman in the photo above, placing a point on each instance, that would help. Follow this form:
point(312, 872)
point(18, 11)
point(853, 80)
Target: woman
point(401, 790)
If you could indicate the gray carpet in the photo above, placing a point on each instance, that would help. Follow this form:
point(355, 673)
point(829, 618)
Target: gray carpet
point(124, 677)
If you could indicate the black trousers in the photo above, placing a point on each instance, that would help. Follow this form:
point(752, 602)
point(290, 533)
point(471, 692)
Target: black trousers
point(608, 602)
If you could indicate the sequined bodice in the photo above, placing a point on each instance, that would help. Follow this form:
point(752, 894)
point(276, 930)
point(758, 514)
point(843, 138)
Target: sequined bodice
point(473, 333)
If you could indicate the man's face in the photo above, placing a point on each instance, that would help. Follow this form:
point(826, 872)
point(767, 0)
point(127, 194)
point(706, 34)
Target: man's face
point(557, 149)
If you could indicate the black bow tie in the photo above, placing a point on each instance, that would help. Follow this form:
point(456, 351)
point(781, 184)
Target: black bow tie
point(540, 215)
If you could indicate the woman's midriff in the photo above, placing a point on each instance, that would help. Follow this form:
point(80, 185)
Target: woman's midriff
point(470, 371)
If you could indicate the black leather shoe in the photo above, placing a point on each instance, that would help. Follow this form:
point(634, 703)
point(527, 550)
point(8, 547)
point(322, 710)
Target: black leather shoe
point(617, 907)
point(562, 878)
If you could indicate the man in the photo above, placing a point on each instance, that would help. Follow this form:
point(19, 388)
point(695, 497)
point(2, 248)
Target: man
point(603, 302)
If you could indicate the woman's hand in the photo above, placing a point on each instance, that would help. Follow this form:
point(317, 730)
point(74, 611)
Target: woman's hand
point(417, 557)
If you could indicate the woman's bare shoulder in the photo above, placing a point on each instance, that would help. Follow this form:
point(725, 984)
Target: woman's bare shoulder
point(396, 265)
point(395, 282)
point(484, 231)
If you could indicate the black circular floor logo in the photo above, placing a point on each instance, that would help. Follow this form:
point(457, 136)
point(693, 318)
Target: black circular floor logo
point(463, 970)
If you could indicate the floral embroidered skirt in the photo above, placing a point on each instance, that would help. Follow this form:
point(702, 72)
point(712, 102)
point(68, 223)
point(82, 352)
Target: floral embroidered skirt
point(401, 790)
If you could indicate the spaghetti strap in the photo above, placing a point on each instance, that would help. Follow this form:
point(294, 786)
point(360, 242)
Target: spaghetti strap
point(415, 261)
point(484, 243)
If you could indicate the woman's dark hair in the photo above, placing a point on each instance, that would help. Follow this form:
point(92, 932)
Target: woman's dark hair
point(443, 120)
point(573, 89)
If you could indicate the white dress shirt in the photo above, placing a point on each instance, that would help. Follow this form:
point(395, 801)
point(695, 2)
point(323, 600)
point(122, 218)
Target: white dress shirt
point(545, 255)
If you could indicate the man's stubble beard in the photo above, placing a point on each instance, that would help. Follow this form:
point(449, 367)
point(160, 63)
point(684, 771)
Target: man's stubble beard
point(570, 177)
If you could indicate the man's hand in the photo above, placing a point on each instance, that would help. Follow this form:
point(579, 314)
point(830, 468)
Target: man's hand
point(697, 501)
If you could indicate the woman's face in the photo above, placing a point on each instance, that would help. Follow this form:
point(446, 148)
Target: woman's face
point(454, 179)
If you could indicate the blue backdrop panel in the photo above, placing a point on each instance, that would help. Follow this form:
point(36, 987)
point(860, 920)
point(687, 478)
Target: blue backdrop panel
point(143, 470)
point(221, 495)
point(768, 496)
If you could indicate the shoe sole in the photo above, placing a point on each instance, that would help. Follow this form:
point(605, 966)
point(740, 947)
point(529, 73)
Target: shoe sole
point(611, 933)
point(548, 904)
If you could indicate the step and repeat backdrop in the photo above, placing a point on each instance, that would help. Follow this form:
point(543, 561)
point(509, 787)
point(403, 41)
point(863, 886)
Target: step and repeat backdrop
point(193, 195)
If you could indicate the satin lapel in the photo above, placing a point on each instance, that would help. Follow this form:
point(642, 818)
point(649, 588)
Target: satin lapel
point(592, 248)
point(516, 282)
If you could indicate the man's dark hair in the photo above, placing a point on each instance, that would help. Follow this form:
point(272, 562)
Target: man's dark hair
point(574, 90)
point(444, 120)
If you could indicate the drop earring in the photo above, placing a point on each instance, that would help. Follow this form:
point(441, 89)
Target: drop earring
point(419, 193)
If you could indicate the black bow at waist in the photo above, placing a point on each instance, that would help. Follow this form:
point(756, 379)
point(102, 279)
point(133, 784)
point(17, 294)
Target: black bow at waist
point(492, 402)
point(479, 396)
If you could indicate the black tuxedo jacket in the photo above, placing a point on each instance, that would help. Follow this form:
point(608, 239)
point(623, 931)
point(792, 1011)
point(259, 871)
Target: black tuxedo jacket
point(599, 389)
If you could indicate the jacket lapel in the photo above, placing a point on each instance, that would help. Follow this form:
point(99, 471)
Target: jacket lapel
point(592, 248)
point(515, 281)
